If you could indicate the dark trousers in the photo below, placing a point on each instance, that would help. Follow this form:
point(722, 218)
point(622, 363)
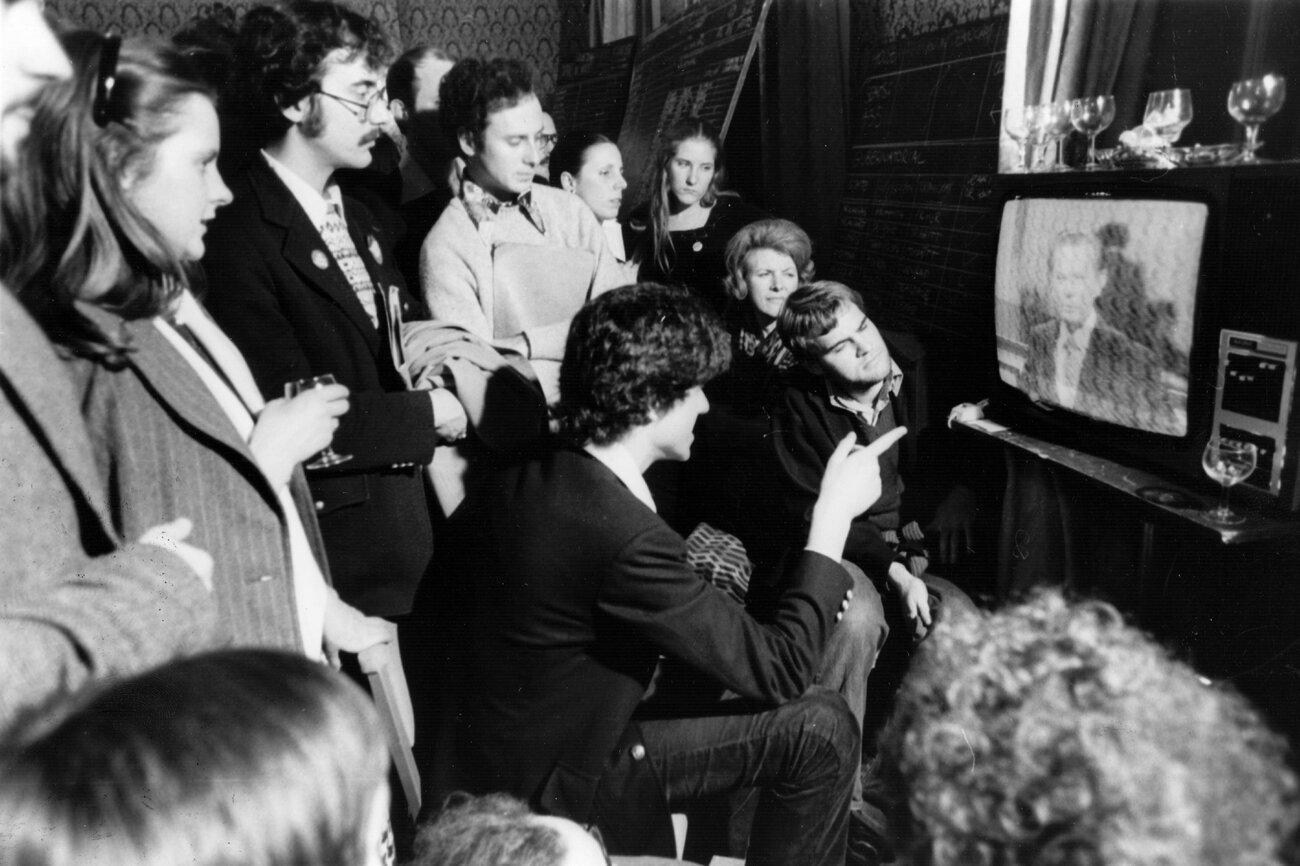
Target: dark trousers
point(802, 756)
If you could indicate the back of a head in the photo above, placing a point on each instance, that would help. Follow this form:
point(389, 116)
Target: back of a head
point(1053, 733)
point(253, 757)
point(492, 830)
point(632, 351)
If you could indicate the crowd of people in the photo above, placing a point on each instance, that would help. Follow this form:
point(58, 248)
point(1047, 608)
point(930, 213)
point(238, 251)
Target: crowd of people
point(624, 480)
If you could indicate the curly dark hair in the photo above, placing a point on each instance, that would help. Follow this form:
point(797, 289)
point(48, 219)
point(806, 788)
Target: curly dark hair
point(280, 53)
point(632, 351)
point(1051, 733)
point(474, 88)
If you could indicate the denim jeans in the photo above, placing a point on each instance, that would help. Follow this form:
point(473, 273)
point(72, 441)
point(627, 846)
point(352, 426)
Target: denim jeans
point(802, 756)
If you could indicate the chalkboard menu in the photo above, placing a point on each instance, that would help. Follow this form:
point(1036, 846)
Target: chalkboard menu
point(592, 89)
point(693, 65)
point(917, 230)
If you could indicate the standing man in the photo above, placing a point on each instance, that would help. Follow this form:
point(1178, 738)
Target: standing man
point(299, 280)
point(1079, 361)
point(74, 602)
point(510, 261)
point(571, 588)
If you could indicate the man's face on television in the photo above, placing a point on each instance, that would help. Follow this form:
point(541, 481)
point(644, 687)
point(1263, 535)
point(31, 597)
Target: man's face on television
point(1077, 279)
point(853, 354)
point(505, 159)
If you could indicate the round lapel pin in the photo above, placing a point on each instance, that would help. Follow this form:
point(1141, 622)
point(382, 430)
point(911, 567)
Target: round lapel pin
point(320, 260)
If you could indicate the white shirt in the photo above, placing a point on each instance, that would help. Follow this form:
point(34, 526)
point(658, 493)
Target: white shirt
point(316, 205)
point(620, 461)
point(1067, 380)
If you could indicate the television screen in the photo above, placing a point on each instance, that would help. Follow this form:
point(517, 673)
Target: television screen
point(1095, 302)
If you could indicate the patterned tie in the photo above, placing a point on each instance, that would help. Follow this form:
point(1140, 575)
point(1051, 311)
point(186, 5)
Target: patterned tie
point(336, 237)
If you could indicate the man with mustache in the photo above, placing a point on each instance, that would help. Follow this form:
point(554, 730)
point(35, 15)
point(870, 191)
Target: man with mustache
point(300, 280)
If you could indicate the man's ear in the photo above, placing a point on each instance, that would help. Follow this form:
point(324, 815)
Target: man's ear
point(567, 182)
point(398, 108)
point(467, 144)
point(296, 111)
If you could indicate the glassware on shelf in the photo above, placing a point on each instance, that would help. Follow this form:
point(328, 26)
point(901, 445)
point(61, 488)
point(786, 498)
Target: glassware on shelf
point(1228, 462)
point(1092, 115)
point(1015, 122)
point(1168, 113)
point(1041, 132)
point(1253, 101)
point(1059, 128)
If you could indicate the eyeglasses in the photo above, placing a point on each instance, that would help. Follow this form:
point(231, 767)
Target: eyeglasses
point(377, 100)
point(546, 139)
point(106, 79)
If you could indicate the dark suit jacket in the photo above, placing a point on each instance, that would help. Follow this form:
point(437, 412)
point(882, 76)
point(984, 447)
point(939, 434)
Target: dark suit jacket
point(1119, 381)
point(74, 604)
point(277, 292)
point(569, 589)
point(167, 449)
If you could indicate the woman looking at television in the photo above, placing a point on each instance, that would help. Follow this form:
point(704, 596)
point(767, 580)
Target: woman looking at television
point(684, 228)
point(116, 185)
point(590, 166)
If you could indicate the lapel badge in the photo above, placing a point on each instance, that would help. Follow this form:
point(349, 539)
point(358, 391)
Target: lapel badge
point(372, 244)
point(320, 260)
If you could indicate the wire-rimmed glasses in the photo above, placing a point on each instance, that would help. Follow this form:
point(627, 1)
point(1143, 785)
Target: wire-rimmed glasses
point(377, 103)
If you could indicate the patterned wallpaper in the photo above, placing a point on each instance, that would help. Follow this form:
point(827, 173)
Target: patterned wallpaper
point(528, 29)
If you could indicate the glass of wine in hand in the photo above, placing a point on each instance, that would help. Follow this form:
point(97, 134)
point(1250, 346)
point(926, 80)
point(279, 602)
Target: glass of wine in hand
point(1253, 101)
point(1228, 462)
point(328, 457)
point(1092, 115)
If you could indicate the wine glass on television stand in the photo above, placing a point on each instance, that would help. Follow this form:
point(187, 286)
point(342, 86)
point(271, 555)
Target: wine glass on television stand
point(1228, 462)
point(1092, 115)
point(1168, 113)
point(1253, 101)
point(328, 457)
point(1015, 122)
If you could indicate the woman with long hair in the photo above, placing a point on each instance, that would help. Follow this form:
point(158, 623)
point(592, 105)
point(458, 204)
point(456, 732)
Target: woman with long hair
point(685, 226)
point(589, 165)
point(109, 205)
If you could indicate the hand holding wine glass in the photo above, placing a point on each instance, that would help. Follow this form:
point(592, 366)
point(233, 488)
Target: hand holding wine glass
point(1168, 113)
point(328, 456)
point(1253, 101)
point(1092, 115)
point(1228, 462)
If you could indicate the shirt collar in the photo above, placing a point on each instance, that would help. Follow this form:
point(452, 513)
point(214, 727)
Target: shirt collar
point(871, 412)
point(483, 206)
point(618, 460)
point(316, 205)
point(1081, 335)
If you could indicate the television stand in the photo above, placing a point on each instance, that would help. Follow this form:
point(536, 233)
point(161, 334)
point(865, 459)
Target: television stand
point(1165, 498)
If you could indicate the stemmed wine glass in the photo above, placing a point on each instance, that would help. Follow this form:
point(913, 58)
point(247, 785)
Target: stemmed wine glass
point(328, 457)
point(1228, 462)
point(1091, 115)
point(1015, 121)
point(1041, 133)
point(1168, 113)
point(1253, 101)
point(1058, 129)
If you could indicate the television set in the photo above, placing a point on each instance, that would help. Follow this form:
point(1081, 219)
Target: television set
point(1135, 313)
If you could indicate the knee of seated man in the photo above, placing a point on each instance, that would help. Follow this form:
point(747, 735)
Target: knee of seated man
point(824, 715)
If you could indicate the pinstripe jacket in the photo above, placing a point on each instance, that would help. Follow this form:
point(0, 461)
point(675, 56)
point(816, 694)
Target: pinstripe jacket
point(168, 449)
point(74, 604)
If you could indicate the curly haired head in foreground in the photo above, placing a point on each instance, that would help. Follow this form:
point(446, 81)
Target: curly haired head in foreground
point(1053, 733)
point(632, 352)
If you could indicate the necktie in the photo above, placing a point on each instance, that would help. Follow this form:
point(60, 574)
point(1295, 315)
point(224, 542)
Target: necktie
point(335, 234)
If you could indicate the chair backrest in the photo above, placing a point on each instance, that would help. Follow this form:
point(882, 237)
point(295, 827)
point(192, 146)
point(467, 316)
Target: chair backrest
point(382, 665)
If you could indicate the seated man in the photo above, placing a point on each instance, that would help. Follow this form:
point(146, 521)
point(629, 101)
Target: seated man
point(565, 588)
point(1100, 749)
point(509, 260)
point(852, 388)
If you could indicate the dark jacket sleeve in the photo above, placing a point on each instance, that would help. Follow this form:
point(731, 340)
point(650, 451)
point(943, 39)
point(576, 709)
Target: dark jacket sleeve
point(652, 589)
point(381, 428)
point(803, 440)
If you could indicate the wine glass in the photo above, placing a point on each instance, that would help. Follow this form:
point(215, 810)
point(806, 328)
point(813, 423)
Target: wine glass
point(1228, 462)
point(1040, 135)
point(1253, 101)
point(1091, 115)
point(1058, 129)
point(328, 457)
point(1015, 122)
point(1168, 113)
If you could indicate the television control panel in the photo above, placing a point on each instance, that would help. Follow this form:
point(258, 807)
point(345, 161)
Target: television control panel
point(1253, 400)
